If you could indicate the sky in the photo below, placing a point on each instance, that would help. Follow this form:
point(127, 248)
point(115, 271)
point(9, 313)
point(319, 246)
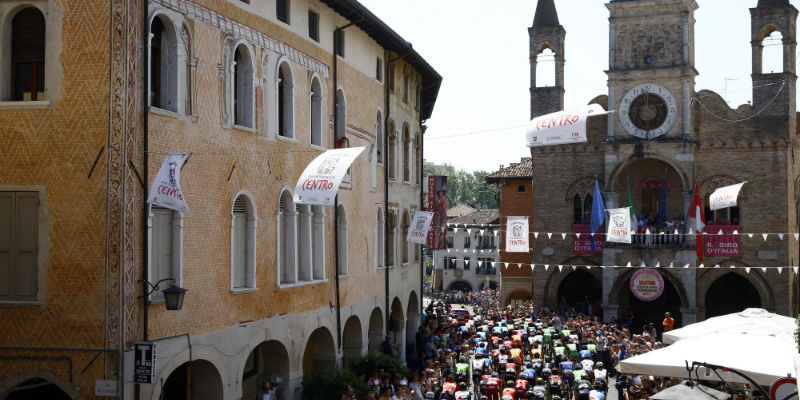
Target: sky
point(480, 48)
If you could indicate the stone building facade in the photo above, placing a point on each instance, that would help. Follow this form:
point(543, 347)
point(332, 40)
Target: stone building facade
point(666, 135)
point(253, 91)
point(471, 260)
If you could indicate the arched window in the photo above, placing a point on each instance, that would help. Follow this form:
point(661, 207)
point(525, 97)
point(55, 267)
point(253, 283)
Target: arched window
point(380, 243)
point(379, 134)
point(163, 64)
point(577, 209)
point(406, 154)
point(243, 87)
point(27, 55)
point(243, 243)
point(546, 68)
point(318, 242)
point(165, 245)
point(417, 157)
point(391, 245)
point(340, 130)
point(406, 85)
point(285, 86)
point(304, 238)
point(341, 233)
point(287, 235)
point(316, 112)
point(392, 152)
point(772, 55)
point(587, 209)
point(403, 235)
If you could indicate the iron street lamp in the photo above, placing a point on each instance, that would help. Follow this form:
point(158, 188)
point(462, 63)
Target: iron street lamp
point(173, 295)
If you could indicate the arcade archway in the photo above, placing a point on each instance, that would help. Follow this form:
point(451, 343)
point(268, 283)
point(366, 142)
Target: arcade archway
point(397, 332)
point(375, 330)
point(351, 340)
point(461, 286)
point(412, 324)
point(580, 290)
point(268, 362)
point(196, 380)
point(37, 388)
point(731, 293)
point(492, 285)
point(640, 312)
point(320, 352)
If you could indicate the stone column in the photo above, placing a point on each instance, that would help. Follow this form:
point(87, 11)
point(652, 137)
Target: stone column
point(686, 109)
point(611, 104)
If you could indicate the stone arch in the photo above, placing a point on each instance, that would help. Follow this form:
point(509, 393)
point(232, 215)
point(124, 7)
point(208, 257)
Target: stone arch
point(621, 287)
point(268, 361)
point(319, 353)
point(460, 285)
point(620, 173)
point(182, 359)
point(170, 54)
point(521, 294)
point(202, 378)
point(580, 187)
point(317, 121)
point(707, 276)
point(544, 45)
point(376, 331)
point(19, 378)
point(557, 278)
point(352, 340)
point(650, 168)
point(397, 322)
point(412, 322)
point(284, 98)
point(714, 182)
point(242, 81)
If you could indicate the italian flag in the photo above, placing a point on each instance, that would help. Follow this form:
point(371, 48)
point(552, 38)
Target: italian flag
point(696, 212)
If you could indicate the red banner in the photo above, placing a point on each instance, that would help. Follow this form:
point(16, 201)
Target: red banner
point(583, 245)
point(725, 245)
point(437, 204)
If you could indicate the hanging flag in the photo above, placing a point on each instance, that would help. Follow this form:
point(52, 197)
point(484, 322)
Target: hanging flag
point(321, 179)
point(696, 212)
point(418, 231)
point(630, 205)
point(725, 196)
point(619, 225)
point(561, 127)
point(598, 213)
point(517, 235)
point(166, 189)
point(662, 206)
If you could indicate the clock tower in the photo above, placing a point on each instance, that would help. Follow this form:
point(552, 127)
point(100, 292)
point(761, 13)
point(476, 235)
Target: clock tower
point(651, 70)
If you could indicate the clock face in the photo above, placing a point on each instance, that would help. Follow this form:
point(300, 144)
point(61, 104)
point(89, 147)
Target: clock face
point(648, 111)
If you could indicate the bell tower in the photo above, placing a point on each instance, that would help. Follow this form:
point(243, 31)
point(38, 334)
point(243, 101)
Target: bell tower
point(546, 33)
point(774, 91)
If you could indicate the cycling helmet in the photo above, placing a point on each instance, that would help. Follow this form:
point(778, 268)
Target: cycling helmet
point(599, 365)
point(529, 365)
point(462, 359)
point(462, 386)
point(495, 375)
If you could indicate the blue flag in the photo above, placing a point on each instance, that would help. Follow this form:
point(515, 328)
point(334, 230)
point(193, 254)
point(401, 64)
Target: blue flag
point(598, 213)
point(662, 205)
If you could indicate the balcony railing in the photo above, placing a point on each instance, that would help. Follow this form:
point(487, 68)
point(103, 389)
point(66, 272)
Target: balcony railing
point(656, 239)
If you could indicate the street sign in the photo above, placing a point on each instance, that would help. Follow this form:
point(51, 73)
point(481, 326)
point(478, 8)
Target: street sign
point(783, 389)
point(105, 388)
point(144, 370)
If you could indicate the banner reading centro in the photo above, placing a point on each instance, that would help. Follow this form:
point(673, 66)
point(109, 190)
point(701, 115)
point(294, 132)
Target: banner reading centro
point(561, 127)
point(166, 189)
point(517, 235)
point(647, 284)
point(418, 232)
point(321, 179)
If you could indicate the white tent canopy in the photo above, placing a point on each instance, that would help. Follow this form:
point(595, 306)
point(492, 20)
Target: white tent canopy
point(756, 344)
point(683, 392)
point(752, 320)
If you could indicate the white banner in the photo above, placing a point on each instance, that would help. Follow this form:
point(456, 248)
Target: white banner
point(619, 226)
point(561, 127)
point(418, 231)
point(321, 179)
point(166, 189)
point(725, 196)
point(517, 235)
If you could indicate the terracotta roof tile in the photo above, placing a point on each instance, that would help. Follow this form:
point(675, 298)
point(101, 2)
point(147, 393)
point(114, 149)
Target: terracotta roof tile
point(460, 210)
point(479, 217)
point(522, 169)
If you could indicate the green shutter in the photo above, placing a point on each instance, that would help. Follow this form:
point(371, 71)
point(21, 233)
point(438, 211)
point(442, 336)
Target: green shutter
point(6, 244)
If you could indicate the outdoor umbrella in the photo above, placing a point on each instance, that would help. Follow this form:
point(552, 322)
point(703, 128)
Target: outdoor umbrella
point(683, 392)
point(752, 320)
point(764, 358)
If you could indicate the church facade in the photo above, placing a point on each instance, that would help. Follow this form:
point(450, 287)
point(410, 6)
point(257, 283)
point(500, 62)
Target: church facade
point(662, 138)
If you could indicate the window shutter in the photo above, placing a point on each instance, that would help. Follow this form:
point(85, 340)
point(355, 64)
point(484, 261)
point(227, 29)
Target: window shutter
point(27, 37)
point(6, 236)
point(25, 244)
point(239, 243)
point(161, 251)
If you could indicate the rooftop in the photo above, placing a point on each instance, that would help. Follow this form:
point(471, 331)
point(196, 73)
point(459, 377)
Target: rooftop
point(522, 169)
point(479, 217)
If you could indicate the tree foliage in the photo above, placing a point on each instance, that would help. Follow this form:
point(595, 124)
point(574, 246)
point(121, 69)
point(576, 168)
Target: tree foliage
point(366, 365)
point(464, 187)
point(329, 384)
